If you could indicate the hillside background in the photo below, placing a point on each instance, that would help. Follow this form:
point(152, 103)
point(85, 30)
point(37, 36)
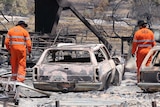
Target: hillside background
point(110, 17)
point(97, 9)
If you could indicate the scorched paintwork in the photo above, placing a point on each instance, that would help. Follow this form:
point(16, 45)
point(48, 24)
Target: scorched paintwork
point(75, 67)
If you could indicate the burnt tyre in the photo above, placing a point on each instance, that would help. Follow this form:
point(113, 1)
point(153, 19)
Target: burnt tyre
point(107, 84)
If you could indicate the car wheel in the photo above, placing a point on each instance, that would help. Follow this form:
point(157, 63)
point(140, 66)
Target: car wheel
point(107, 83)
point(117, 79)
point(123, 74)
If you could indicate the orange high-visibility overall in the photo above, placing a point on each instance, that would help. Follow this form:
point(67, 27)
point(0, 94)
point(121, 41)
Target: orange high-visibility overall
point(18, 42)
point(143, 41)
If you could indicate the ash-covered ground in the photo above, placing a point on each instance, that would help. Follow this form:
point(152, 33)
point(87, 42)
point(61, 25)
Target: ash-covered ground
point(125, 95)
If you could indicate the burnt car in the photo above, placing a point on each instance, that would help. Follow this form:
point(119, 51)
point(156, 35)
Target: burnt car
point(76, 67)
point(150, 73)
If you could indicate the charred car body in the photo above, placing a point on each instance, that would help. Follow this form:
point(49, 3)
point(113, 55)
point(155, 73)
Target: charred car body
point(73, 67)
point(150, 75)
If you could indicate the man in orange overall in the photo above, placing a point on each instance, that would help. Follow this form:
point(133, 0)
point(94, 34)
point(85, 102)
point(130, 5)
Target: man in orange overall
point(18, 43)
point(143, 41)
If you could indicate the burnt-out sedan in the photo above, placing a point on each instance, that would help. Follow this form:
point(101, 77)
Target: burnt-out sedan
point(150, 74)
point(76, 67)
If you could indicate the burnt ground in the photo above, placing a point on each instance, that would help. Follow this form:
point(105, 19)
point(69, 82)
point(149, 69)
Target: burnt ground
point(125, 95)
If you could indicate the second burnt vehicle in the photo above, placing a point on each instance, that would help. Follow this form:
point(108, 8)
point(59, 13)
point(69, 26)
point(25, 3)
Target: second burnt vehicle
point(76, 67)
point(150, 75)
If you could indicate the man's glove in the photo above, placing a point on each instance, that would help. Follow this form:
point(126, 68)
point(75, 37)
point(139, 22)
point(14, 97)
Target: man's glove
point(133, 55)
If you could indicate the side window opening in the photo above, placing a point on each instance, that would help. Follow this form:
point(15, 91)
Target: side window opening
point(99, 55)
point(69, 56)
point(106, 53)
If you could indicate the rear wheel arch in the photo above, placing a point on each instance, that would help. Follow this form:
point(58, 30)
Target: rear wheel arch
point(107, 80)
point(118, 78)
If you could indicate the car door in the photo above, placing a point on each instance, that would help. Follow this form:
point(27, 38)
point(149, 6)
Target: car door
point(104, 63)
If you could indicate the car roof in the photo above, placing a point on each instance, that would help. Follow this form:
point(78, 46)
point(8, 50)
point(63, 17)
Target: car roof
point(75, 46)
